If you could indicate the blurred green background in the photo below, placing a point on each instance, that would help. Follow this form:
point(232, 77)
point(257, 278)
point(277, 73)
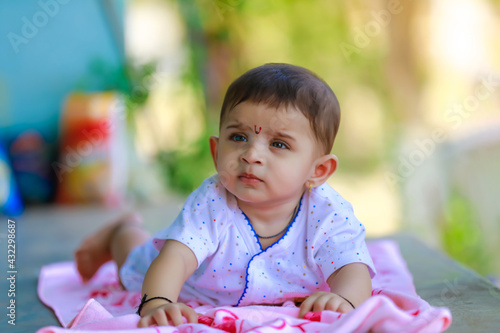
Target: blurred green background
point(418, 83)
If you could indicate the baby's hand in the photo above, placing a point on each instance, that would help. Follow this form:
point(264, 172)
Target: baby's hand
point(160, 315)
point(323, 300)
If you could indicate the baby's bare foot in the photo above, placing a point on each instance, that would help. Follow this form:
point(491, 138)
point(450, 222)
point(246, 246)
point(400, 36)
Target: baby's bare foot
point(95, 249)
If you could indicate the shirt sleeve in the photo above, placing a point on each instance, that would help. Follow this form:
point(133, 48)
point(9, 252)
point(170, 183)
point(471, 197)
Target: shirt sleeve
point(341, 240)
point(201, 222)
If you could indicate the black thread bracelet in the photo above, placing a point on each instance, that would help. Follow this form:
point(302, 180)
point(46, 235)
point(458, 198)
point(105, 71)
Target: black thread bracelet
point(144, 301)
point(348, 301)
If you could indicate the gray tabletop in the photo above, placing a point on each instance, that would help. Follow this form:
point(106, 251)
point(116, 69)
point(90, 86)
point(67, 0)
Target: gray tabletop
point(49, 234)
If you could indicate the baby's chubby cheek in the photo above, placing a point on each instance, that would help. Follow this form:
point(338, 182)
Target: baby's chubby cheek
point(227, 170)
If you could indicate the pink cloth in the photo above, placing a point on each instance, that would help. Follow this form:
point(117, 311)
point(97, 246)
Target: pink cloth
point(101, 305)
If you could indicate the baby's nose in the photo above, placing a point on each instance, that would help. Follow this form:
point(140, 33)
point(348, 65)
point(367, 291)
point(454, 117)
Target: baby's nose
point(254, 154)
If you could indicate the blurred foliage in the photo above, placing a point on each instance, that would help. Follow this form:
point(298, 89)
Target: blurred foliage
point(462, 235)
point(184, 171)
point(130, 80)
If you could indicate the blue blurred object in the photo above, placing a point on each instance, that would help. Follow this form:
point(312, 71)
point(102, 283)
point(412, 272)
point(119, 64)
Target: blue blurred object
point(10, 200)
point(30, 157)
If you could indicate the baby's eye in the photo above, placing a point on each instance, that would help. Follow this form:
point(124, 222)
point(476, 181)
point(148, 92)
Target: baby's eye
point(279, 144)
point(238, 137)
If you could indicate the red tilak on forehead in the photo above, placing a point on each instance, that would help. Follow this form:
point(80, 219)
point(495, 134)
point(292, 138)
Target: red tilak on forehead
point(260, 128)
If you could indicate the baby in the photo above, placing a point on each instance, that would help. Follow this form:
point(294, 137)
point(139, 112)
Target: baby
point(265, 229)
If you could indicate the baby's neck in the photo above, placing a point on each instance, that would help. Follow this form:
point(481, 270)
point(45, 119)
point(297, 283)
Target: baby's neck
point(269, 215)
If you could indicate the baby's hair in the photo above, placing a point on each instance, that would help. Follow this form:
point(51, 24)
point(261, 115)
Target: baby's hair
point(278, 85)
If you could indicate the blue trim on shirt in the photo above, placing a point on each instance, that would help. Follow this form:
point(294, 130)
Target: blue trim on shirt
point(260, 246)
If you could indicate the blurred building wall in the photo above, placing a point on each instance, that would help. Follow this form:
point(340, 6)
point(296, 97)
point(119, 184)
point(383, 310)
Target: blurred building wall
point(46, 50)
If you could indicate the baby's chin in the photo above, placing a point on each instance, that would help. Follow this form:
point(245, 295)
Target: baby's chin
point(249, 196)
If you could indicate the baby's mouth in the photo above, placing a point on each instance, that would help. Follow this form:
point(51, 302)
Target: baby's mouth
point(248, 178)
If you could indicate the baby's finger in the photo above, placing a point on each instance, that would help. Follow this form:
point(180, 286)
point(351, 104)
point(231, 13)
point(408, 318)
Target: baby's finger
point(304, 308)
point(321, 303)
point(175, 315)
point(190, 315)
point(307, 305)
point(333, 304)
point(160, 318)
point(145, 321)
point(345, 307)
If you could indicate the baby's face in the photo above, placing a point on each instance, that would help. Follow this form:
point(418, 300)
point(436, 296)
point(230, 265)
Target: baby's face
point(265, 155)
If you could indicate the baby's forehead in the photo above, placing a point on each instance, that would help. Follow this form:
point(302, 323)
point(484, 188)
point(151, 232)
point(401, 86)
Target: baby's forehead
point(275, 119)
point(279, 116)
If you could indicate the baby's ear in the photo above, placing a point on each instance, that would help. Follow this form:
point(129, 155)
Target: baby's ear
point(214, 148)
point(324, 167)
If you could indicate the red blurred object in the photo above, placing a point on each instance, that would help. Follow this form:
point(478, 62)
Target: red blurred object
point(92, 165)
